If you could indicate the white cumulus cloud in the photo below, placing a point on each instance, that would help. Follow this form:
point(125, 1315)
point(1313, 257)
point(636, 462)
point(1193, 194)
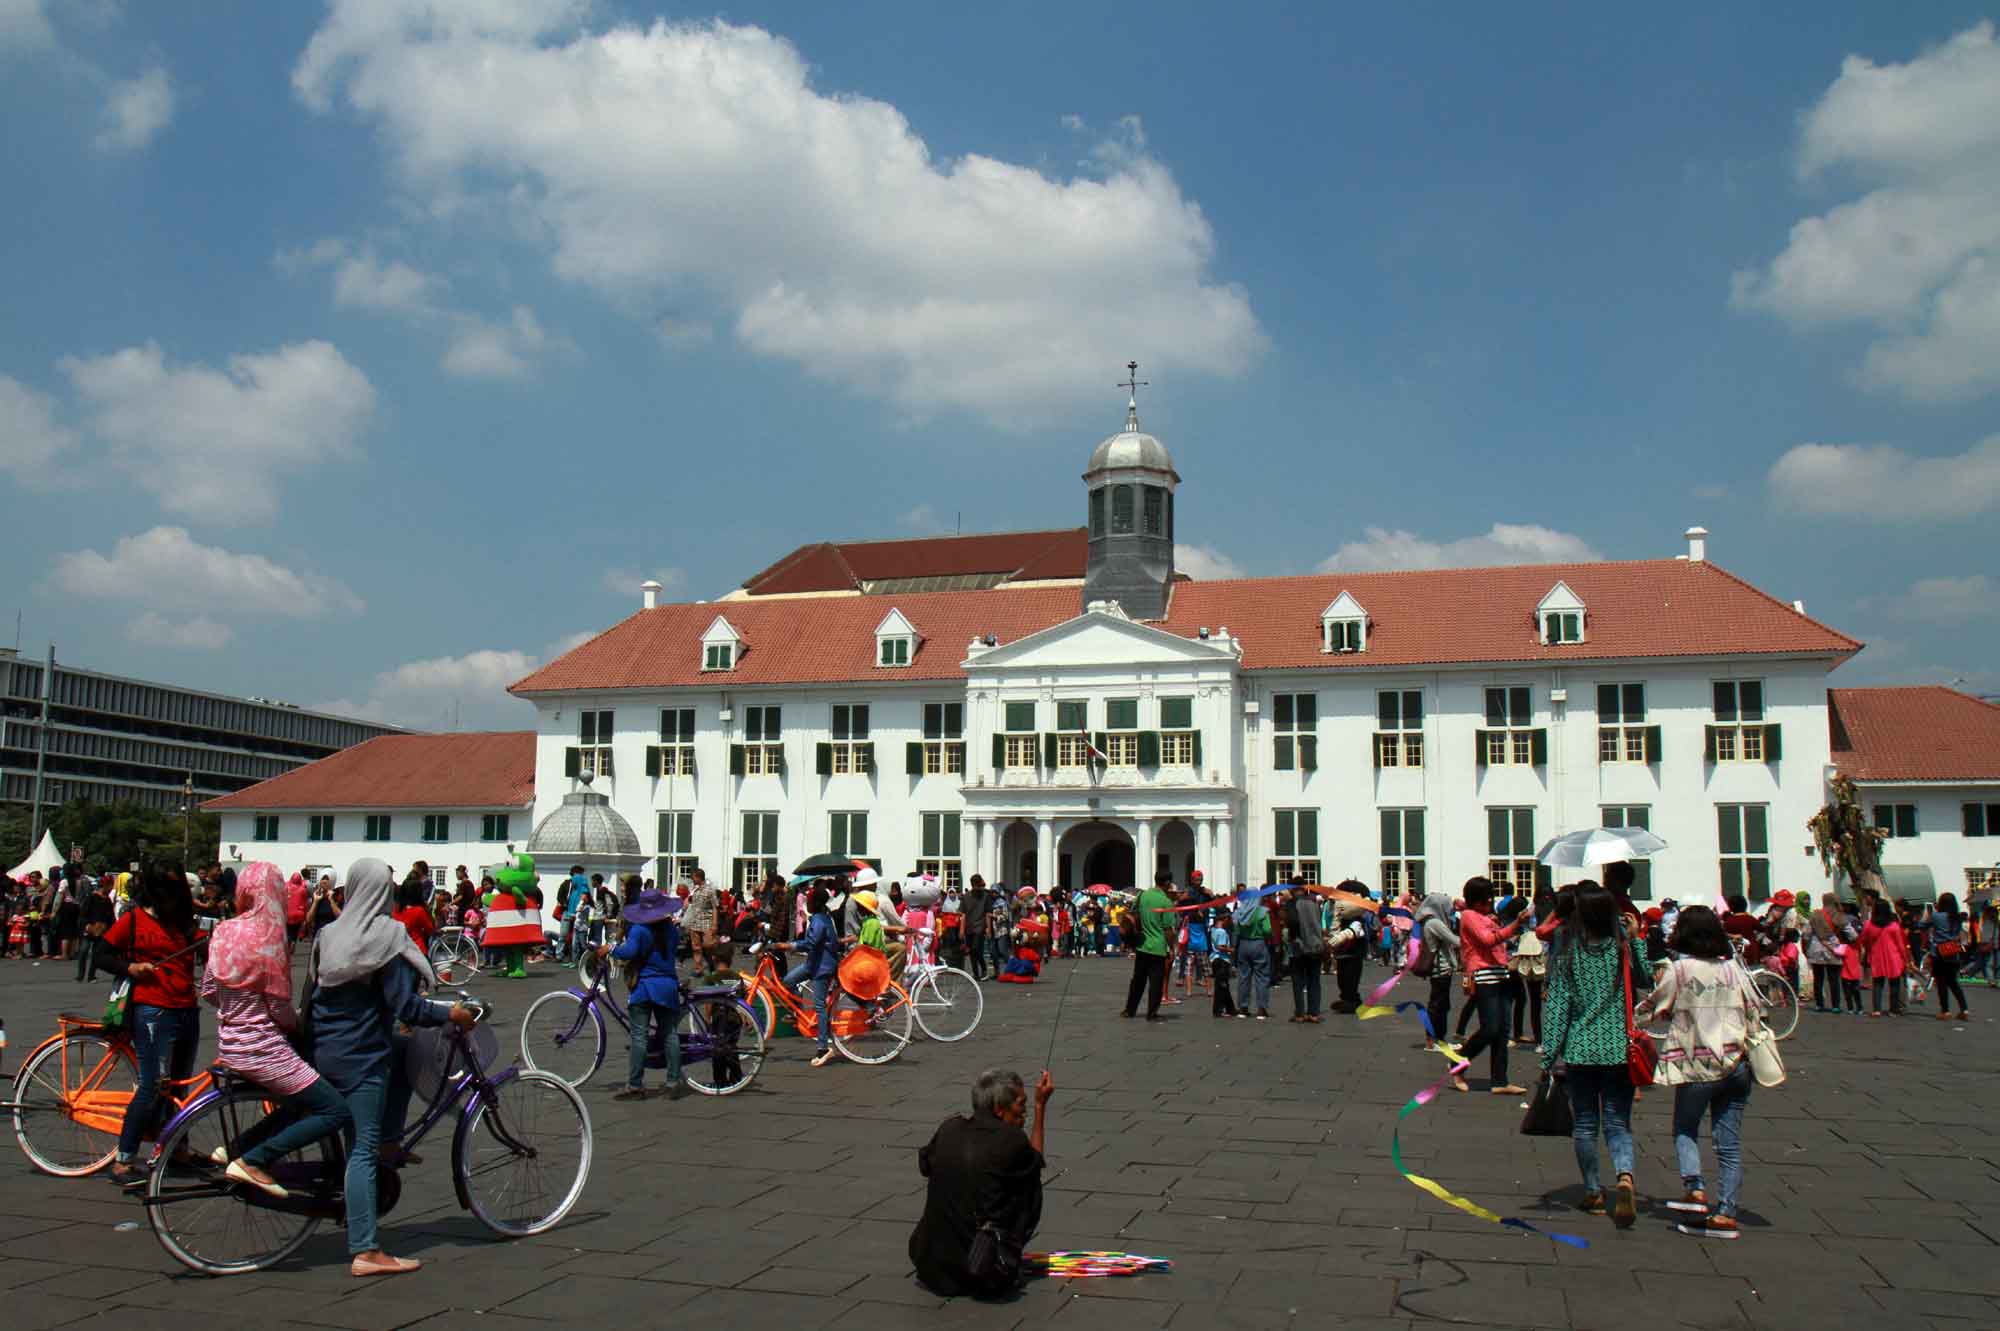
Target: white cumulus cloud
point(1887, 484)
point(24, 26)
point(625, 582)
point(1917, 255)
point(1950, 600)
point(364, 281)
point(698, 161)
point(213, 443)
point(31, 439)
point(1507, 543)
point(431, 693)
point(167, 569)
point(1205, 563)
point(199, 634)
point(481, 349)
point(135, 111)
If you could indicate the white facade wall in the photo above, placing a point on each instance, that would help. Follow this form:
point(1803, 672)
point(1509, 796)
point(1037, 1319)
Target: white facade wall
point(1227, 806)
point(292, 850)
point(1940, 844)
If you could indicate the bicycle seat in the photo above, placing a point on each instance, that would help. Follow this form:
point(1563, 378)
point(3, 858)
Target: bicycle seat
point(78, 1020)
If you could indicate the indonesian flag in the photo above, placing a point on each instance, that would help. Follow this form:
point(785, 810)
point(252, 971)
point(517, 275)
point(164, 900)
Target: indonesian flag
point(1090, 750)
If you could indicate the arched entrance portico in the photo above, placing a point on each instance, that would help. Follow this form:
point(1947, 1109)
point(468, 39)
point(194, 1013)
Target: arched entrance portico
point(1097, 852)
point(1017, 853)
point(1174, 851)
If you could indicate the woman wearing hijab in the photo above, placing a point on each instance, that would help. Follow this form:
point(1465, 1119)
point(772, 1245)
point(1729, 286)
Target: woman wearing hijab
point(652, 941)
point(1437, 938)
point(249, 980)
point(364, 977)
point(157, 942)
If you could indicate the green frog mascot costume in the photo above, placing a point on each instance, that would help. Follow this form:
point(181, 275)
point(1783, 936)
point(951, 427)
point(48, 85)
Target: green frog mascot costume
point(513, 920)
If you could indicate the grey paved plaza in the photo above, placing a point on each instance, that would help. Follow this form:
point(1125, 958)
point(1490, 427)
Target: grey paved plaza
point(1255, 1155)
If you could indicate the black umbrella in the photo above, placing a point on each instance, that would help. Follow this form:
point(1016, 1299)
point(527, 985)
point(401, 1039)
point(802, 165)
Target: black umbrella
point(826, 866)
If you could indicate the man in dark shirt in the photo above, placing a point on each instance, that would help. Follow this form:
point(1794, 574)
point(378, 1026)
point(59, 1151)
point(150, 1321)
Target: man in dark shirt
point(98, 914)
point(977, 904)
point(982, 1168)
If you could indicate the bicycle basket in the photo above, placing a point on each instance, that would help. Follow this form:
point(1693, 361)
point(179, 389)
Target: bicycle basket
point(864, 972)
point(429, 1050)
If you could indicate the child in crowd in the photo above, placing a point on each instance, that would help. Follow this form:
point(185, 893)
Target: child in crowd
point(1788, 957)
point(1220, 969)
point(1850, 975)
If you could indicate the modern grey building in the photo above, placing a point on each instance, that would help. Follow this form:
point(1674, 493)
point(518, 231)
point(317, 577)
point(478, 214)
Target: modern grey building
point(114, 739)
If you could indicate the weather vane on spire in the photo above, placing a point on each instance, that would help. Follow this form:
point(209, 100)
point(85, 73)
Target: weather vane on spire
point(1132, 384)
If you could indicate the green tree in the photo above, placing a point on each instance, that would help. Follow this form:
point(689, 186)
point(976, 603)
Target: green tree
point(114, 835)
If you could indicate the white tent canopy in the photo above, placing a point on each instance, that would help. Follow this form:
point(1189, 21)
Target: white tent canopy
point(45, 857)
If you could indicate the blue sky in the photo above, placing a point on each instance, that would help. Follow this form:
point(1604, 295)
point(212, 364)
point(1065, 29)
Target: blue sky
point(364, 354)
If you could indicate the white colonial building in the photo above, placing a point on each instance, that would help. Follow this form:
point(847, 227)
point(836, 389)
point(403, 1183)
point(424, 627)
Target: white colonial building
point(1063, 708)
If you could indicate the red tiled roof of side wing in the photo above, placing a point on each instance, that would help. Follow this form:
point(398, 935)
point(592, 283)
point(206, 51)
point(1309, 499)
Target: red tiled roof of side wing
point(845, 565)
point(1923, 733)
point(1658, 608)
point(483, 770)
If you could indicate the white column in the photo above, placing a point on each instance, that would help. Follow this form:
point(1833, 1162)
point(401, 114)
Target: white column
point(1204, 854)
point(1144, 863)
point(1225, 858)
point(975, 863)
point(1045, 852)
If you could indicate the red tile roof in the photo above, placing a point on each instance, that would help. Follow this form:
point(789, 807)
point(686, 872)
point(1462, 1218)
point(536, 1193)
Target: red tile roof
point(1430, 617)
point(845, 565)
point(483, 770)
point(1924, 733)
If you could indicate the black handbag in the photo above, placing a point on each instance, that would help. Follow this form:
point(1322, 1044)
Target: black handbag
point(994, 1259)
point(1548, 1112)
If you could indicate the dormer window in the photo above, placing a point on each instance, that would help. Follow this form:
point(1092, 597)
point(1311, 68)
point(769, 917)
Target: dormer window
point(721, 646)
point(1343, 626)
point(895, 641)
point(1561, 615)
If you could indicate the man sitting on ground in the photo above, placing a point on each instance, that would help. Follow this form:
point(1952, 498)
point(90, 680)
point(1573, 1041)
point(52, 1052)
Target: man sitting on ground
point(983, 1170)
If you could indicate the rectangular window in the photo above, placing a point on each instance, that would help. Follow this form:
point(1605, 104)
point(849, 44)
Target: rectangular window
point(763, 735)
point(1156, 510)
point(1508, 740)
point(847, 834)
point(1020, 717)
point(494, 826)
point(1343, 635)
point(1121, 750)
point(1399, 726)
point(942, 752)
point(1564, 626)
point(375, 827)
point(717, 656)
point(437, 827)
point(674, 755)
point(757, 856)
point(1896, 819)
point(1072, 715)
point(1024, 751)
point(1097, 512)
point(676, 836)
point(1294, 845)
point(1743, 838)
point(1980, 819)
point(1121, 510)
point(264, 827)
point(1510, 848)
point(319, 827)
point(850, 750)
point(1740, 733)
point(1632, 815)
point(1072, 750)
point(1294, 731)
point(938, 836)
point(1402, 851)
point(895, 651)
point(1120, 744)
point(1622, 733)
point(1121, 714)
point(1179, 744)
point(592, 756)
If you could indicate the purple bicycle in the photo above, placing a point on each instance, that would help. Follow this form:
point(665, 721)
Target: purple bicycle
point(520, 1155)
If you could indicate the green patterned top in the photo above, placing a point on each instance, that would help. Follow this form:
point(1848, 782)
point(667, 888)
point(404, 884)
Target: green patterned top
point(1583, 1005)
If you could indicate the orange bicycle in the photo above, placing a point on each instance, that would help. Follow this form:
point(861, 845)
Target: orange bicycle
point(865, 1030)
point(71, 1093)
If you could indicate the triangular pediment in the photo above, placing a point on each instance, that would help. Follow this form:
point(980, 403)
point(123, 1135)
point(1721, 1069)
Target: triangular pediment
point(1560, 597)
point(894, 625)
point(721, 631)
point(1344, 607)
point(1100, 639)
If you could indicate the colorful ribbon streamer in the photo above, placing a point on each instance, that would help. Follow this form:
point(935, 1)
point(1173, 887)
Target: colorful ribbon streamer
point(1424, 1097)
point(1078, 1265)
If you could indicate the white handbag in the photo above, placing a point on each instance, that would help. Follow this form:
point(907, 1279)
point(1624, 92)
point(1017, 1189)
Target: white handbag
point(1761, 1048)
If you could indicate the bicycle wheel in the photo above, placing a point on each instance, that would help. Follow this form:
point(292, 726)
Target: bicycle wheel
point(563, 1035)
point(213, 1225)
point(947, 1004)
point(454, 952)
point(1780, 1001)
point(70, 1100)
point(875, 1029)
point(721, 1047)
point(762, 1006)
point(522, 1157)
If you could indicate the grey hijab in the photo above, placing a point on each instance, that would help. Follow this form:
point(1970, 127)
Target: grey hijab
point(366, 937)
point(1434, 918)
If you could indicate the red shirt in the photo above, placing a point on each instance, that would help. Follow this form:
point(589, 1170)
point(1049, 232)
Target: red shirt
point(142, 938)
point(419, 923)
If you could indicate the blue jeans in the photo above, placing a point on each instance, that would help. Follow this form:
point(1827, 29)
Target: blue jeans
point(822, 991)
point(165, 1040)
point(1600, 1093)
point(302, 1119)
point(1305, 987)
point(1253, 980)
point(1001, 941)
point(376, 1106)
point(642, 1016)
point(1723, 1101)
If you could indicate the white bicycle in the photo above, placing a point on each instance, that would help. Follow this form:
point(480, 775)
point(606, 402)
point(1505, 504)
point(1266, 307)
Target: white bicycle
point(946, 1002)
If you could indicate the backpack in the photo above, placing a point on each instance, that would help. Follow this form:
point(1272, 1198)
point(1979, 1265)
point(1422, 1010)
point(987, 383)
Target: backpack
point(1425, 962)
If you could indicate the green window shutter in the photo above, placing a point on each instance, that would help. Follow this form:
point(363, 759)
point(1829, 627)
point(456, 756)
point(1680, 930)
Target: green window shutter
point(999, 753)
point(1524, 832)
point(1416, 874)
point(823, 760)
point(1281, 710)
point(1072, 715)
point(1281, 753)
point(572, 762)
point(1149, 748)
point(1284, 826)
point(1049, 750)
point(1375, 749)
point(1097, 742)
point(1774, 743)
point(1308, 832)
point(1388, 710)
point(1653, 744)
point(1496, 708)
point(1020, 716)
point(1708, 751)
point(913, 756)
point(1725, 701)
point(1308, 709)
point(1308, 753)
point(652, 760)
point(736, 760)
point(1197, 748)
point(1413, 832)
point(1608, 710)
point(930, 836)
point(1176, 713)
point(1497, 834)
point(1479, 748)
point(1885, 816)
point(1544, 877)
point(1392, 833)
point(1540, 744)
point(954, 720)
point(1974, 818)
point(951, 843)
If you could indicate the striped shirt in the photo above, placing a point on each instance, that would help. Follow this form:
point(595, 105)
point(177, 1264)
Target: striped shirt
point(250, 1043)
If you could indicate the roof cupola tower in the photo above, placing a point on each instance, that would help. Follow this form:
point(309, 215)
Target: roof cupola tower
point(1131, 482)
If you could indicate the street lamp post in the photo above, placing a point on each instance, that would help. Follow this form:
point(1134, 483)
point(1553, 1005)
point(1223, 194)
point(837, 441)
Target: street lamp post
point(187, 818)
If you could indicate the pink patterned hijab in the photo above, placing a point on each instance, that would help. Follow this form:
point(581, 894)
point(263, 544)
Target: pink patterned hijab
point(249, 952)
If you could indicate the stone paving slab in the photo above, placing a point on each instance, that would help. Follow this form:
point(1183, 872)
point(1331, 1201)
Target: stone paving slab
point(1255, 1154)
